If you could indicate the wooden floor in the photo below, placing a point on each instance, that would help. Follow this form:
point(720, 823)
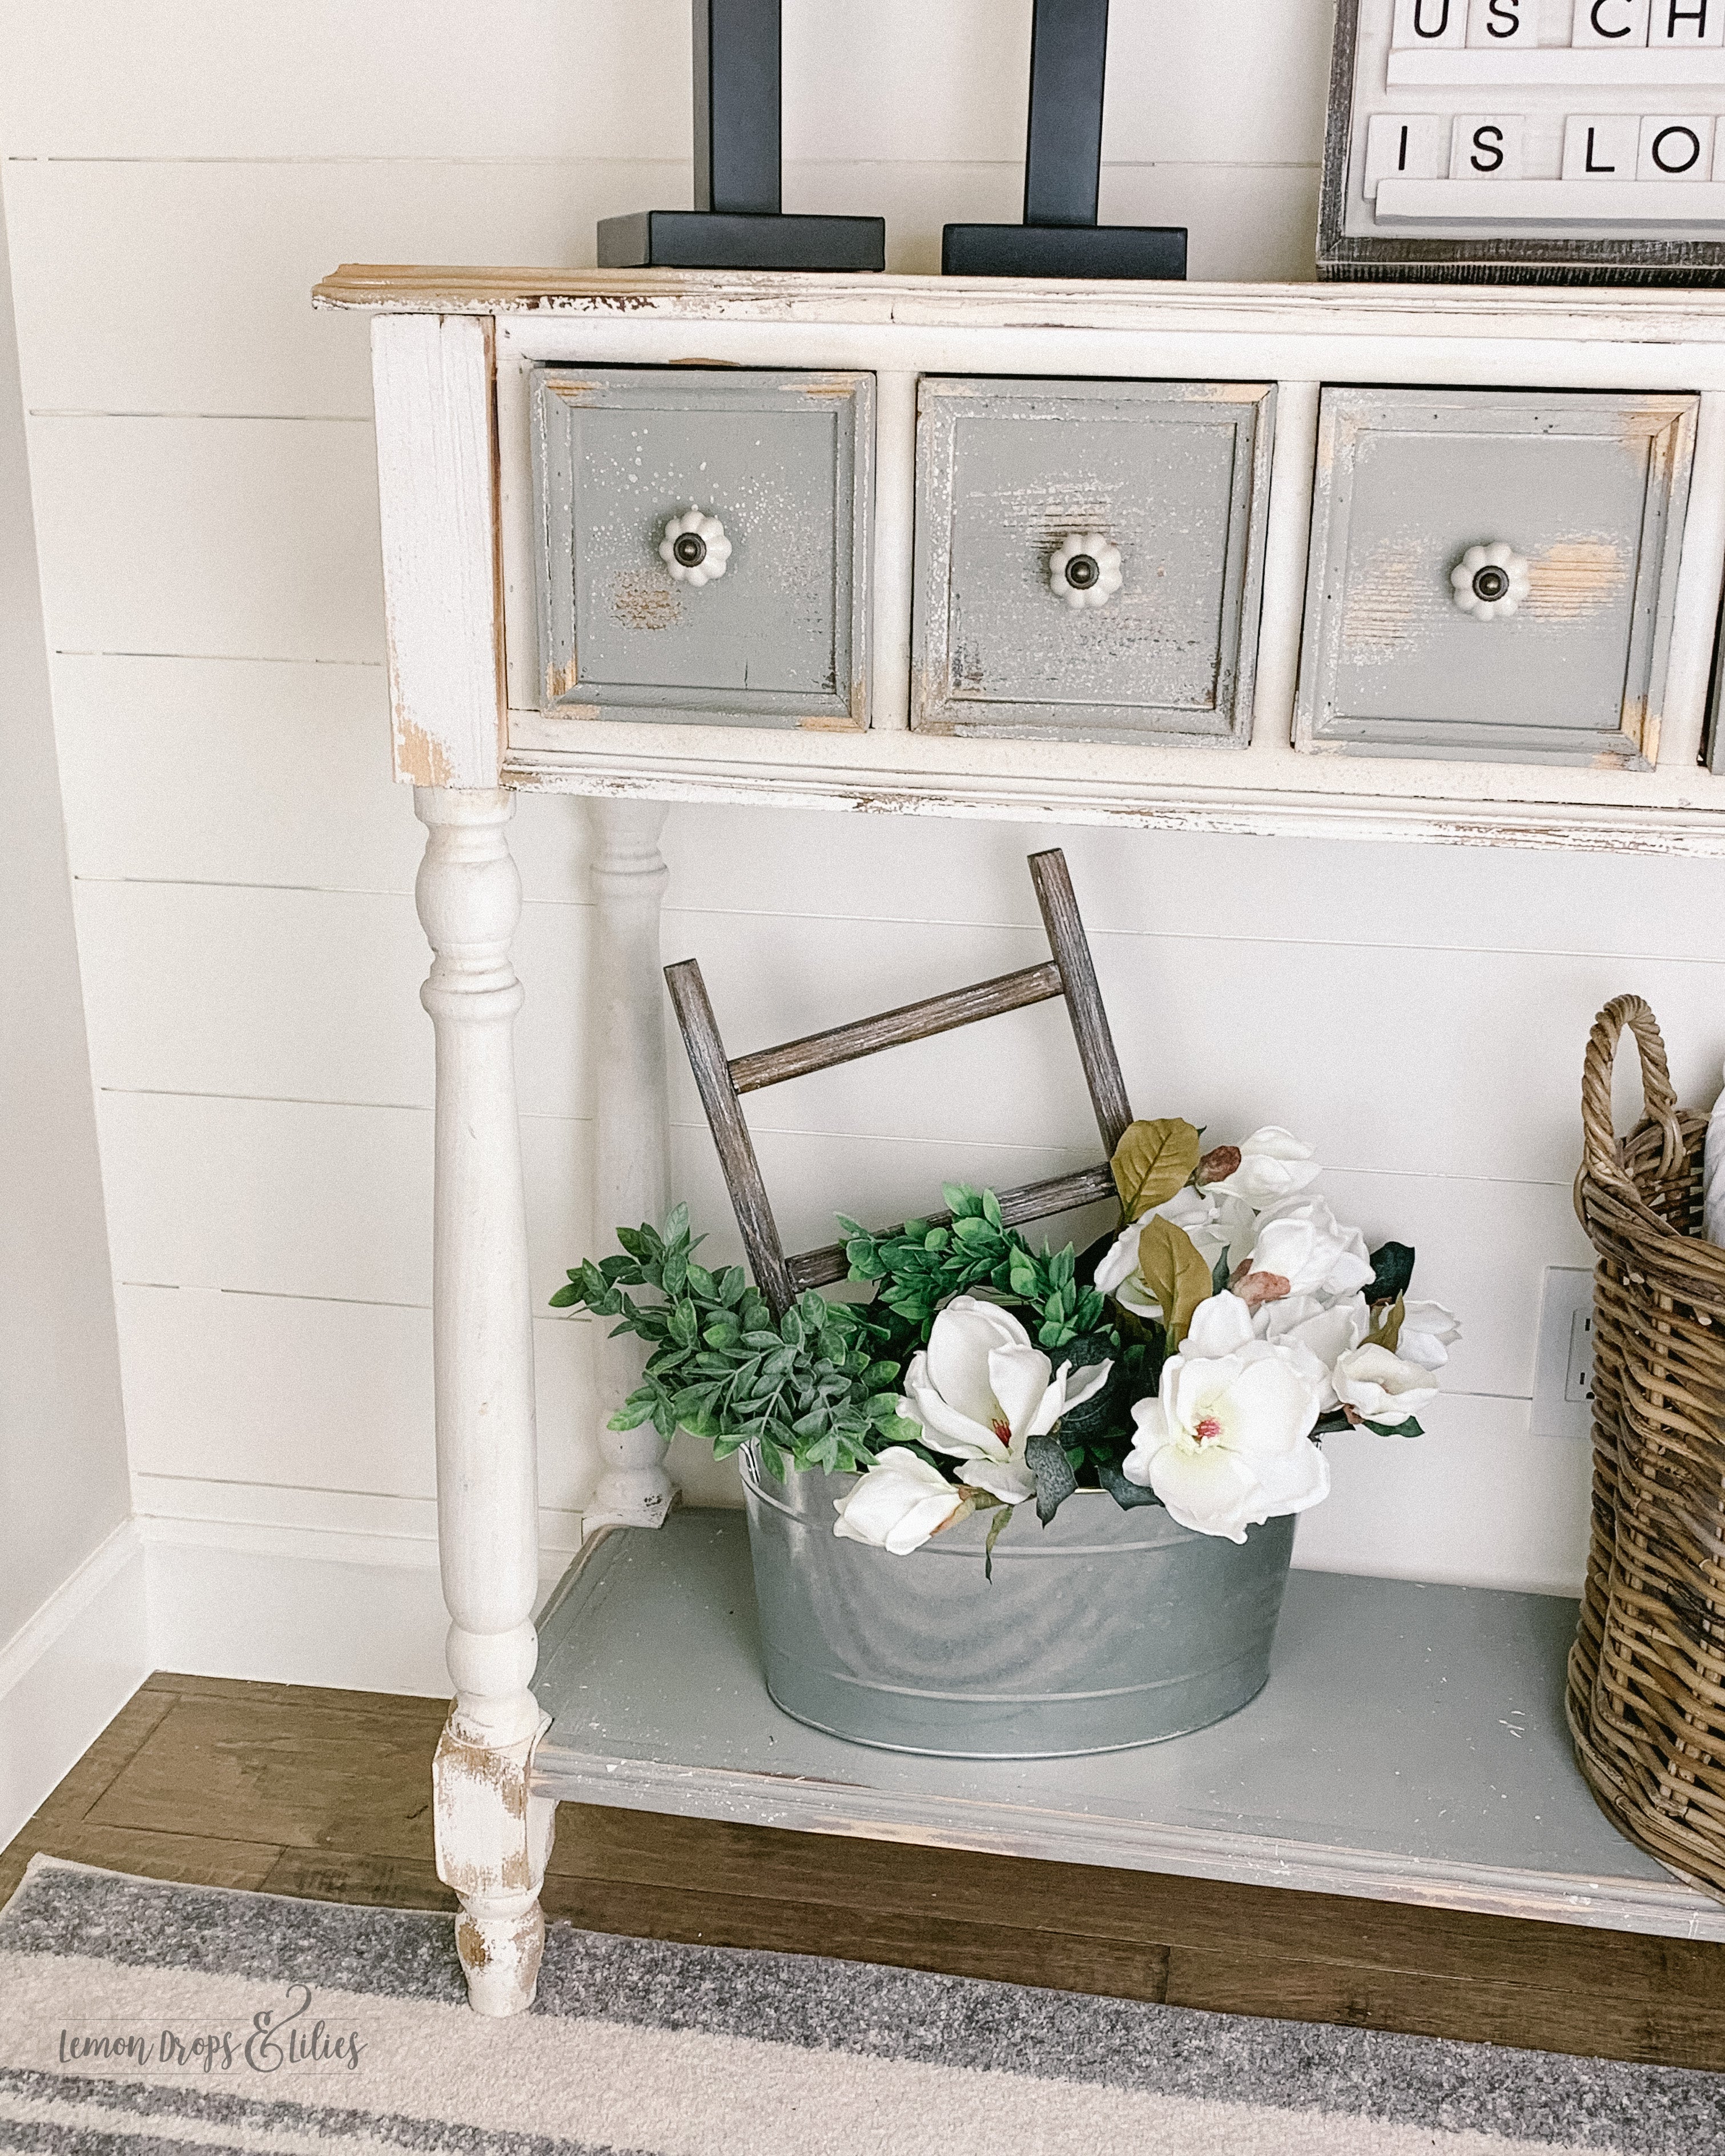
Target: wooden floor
point(326, 1794)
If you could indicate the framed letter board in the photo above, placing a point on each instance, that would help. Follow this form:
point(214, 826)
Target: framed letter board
point(1510, 141)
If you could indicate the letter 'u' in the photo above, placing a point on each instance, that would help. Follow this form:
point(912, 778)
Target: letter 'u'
point(1442, 7)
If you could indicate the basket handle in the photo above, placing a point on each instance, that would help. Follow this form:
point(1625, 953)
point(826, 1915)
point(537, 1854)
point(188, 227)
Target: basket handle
point(1602, 1158)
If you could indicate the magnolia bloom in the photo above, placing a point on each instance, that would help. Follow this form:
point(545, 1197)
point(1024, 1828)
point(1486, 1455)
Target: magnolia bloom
point(1273, 1165)
point(1427, 1334)
point(1226, 1444)
point(981, 1392)
point(1302, 1239)
point(1375, 1386)
point(1325, 1332)
point(900, 1503)
point(1217, 1225)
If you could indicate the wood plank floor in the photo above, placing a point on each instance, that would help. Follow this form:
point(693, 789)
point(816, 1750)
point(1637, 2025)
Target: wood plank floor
point(326, 1795)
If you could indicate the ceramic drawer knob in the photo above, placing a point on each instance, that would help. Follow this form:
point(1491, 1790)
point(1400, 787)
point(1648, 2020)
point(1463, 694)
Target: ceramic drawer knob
point(1084, 571)
point(695, 548)
point(1489, 581)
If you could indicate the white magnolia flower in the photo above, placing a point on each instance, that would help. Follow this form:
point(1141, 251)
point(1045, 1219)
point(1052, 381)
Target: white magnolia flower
point(1427, 1334)
point(1302, 1240)
point(1380, 1387)
point(1273, 1165)
point(1217, 1224)
point(1325, 1332)
point(981, 1392)
point(900, 1503)
point(1227, 1443)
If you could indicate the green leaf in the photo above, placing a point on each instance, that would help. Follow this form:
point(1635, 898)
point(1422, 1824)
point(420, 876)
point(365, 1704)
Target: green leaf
point(1124, 1494)
point(1109, 1409)
point(1151, 1162)
point(1173, 1272)
point(1392, 1272)
point(1410, 1428)
point(991, 1210)
point(997, 1528)
point(961, 1201)
point(1055, 1480)
point(565, 1297)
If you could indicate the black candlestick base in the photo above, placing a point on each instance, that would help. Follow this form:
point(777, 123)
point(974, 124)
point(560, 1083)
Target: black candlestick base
point(1064, 250)
point(720, 240)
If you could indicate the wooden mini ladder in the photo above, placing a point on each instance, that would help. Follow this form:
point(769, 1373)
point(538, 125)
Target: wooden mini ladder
point(721, 1081)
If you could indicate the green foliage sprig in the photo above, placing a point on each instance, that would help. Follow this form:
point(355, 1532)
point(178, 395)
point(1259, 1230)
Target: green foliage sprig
point(810, 1389)
point(924, 1264)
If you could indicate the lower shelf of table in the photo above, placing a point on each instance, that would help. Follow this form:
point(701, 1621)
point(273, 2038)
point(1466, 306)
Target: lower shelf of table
point(1409, 1746)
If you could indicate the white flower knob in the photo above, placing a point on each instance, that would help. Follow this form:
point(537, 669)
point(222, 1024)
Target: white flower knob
point(1489, 581)
point(1084, 571)
point(695, 548)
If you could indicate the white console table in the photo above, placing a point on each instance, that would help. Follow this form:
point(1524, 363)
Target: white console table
point(647, 1671)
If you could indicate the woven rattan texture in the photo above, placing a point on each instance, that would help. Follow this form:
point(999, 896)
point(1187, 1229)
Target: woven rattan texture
point(1646, 1693)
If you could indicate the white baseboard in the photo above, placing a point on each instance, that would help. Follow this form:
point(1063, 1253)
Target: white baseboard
point(341, 1602)
point(66, 1674)
point(295, 1607)
point(356, 1606)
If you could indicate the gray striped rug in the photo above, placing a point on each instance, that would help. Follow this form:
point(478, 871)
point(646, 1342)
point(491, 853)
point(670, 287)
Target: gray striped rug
point(143, 2019)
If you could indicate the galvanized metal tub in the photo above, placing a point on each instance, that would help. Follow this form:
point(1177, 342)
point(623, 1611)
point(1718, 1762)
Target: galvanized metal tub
point(1107, 1629)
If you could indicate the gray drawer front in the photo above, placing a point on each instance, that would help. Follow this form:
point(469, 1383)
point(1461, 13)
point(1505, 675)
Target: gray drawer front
point(1175, 474)
point(783, 461)
point(1587, 489)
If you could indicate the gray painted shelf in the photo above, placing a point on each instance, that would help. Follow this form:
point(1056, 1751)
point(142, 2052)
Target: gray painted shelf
point(1411, 1746)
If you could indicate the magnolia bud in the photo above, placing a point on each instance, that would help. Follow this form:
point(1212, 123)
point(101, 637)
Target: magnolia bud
point(1254, 1290)
point(1218, 1164)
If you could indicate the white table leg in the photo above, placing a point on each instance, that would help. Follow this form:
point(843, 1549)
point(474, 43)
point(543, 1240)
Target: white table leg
point(493, 1838)
point(632, 1125)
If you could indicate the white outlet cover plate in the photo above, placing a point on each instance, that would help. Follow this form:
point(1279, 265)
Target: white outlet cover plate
point(1568, 1289)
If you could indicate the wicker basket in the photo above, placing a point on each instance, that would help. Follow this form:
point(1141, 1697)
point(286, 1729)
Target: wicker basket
point(1646, 1696)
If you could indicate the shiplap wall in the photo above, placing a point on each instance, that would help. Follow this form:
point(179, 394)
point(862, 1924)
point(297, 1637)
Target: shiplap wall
point(177, 174)
point(63, 1471)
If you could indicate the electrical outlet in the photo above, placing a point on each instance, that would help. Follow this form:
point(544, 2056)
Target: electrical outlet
point(1578, 1377)
point(1563, 1375)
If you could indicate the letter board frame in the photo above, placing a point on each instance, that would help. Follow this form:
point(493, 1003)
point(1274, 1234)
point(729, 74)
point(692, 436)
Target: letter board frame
point(1513, 224)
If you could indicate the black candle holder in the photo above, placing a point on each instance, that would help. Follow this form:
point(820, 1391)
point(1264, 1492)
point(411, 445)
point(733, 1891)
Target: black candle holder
point(736, 223)
point(1063, 168)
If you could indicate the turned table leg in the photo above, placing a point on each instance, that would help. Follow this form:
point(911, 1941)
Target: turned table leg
point(493, 1838)
point(632, 1126)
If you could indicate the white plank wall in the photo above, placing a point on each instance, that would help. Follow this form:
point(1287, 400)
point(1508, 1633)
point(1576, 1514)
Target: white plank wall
point(175, 179)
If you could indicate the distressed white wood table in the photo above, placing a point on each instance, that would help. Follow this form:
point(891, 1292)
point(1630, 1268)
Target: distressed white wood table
point(1141, 555)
